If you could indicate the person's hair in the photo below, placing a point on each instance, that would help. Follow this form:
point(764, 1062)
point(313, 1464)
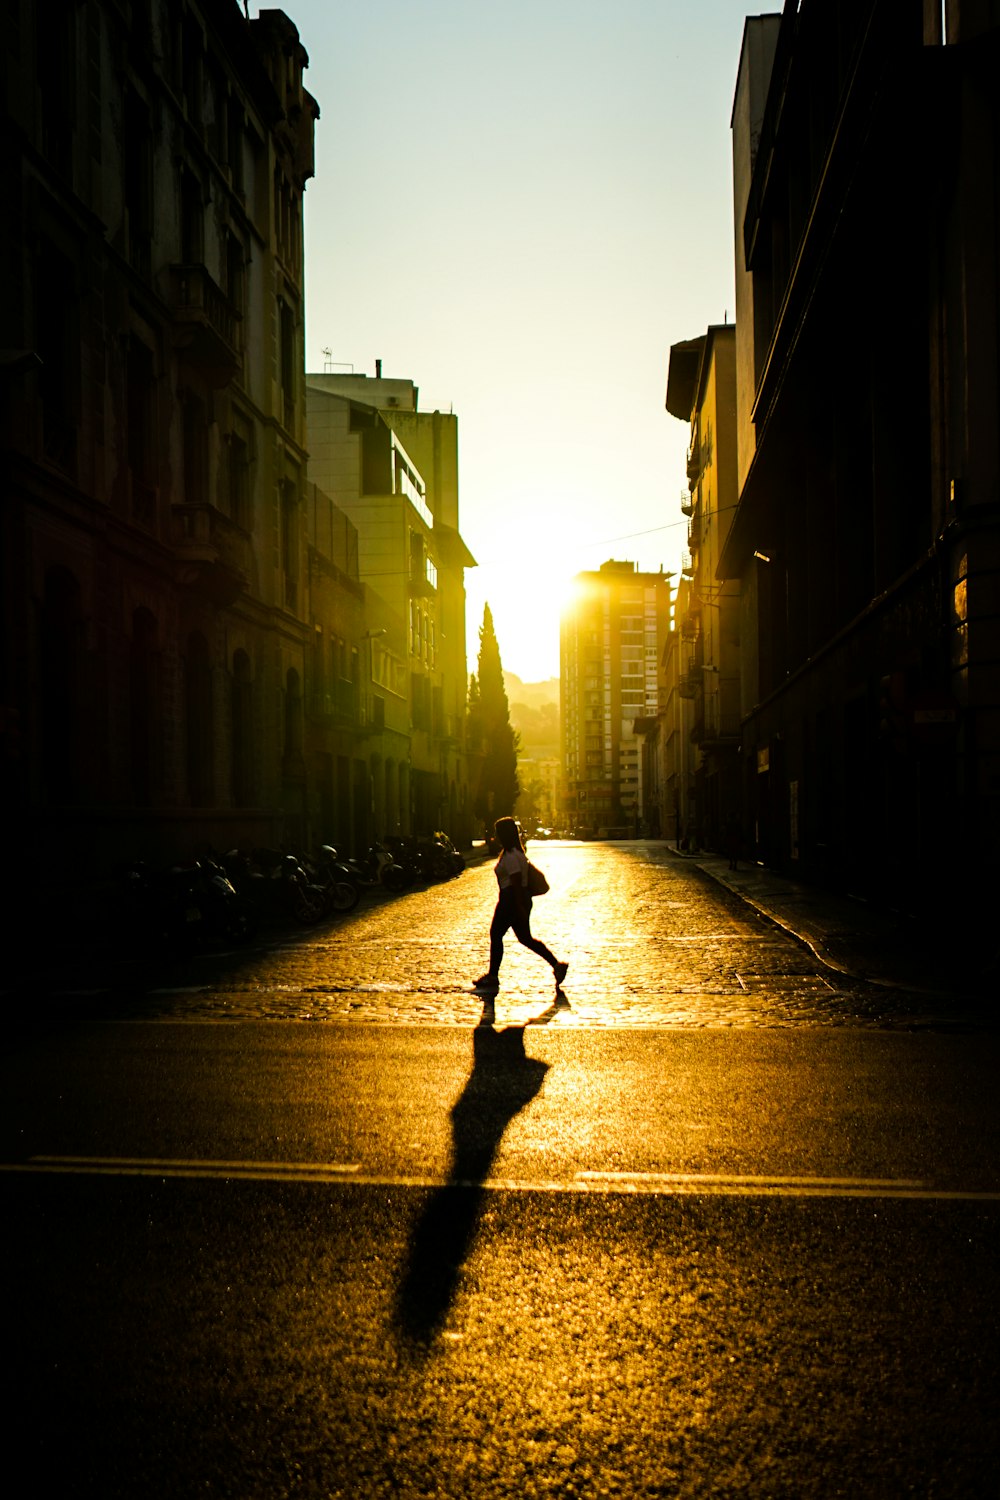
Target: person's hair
point(507, 832)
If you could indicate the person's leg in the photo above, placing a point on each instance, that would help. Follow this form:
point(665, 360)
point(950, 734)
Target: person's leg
point(502, 919)
point(522, 931)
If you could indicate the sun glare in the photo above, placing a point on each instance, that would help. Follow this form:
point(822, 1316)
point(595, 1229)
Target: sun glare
point(527, 597)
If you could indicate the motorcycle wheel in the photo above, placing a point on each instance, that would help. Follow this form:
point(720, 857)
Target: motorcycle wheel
point(240, 922)
point(310, 906)
point(394, 878)
point(343, 895)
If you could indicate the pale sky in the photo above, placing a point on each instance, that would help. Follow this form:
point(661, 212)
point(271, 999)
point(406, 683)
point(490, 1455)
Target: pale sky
point(520, 207)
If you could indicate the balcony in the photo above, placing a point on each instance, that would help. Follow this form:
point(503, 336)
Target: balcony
point(211, 553)
point(694, 459)
point(721, 718)
point(421, 586)
point(688, 503)
point(341, 707)
point(206, 324)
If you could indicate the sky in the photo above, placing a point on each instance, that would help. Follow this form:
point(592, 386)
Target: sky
point(520, 207)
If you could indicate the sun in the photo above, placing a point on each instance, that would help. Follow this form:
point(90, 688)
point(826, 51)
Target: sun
point(526, 595)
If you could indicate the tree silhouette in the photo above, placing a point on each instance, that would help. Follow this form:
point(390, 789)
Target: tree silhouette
point(490, 726)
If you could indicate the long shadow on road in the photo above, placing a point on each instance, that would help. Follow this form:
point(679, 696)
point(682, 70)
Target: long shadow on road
point(503, 1081)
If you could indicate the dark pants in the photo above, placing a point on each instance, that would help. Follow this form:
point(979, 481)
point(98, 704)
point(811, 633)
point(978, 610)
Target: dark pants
point(506, 918)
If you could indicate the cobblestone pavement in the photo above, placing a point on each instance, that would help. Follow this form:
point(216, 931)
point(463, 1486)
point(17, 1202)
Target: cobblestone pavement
point(651, 941)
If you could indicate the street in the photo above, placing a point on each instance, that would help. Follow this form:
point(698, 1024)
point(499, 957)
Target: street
point(311, 1220)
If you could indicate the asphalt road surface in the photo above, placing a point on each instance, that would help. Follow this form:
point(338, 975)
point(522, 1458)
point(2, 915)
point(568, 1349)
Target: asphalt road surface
point(310, 1221)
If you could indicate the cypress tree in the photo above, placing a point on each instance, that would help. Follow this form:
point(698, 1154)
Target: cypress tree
point(489, 713)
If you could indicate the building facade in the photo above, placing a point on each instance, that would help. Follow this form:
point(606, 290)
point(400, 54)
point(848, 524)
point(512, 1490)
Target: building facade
point(866, 540)
point(155, 627)
point(701, 391)
point(612, 637)
point(394, 471)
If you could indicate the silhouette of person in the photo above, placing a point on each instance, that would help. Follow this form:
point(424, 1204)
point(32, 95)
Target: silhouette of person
point(503, 1082)
point(513, 908)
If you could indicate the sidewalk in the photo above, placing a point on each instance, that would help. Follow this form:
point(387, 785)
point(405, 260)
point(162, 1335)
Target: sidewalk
point(861, 940)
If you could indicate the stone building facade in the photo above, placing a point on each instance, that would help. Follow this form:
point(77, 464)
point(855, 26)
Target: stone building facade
point(701, 391)
point(393, 470)
point(866, 540)
point(156, 631)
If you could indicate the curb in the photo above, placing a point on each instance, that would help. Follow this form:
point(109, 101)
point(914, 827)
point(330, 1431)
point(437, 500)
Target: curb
point(815, 945)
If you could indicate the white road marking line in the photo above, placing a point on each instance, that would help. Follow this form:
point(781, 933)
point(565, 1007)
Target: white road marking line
point(156, 1165)
point(665, 1184)
point(741, 1179)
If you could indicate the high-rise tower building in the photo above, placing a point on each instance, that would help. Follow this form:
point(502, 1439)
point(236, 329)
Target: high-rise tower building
point(613, 634)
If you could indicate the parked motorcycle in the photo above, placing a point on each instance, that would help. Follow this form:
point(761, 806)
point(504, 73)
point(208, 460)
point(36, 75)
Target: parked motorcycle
point(277, 886)
point(427, 859)
point(377, 868)
point(454, 857)
point(333, 876)
point(186, 906)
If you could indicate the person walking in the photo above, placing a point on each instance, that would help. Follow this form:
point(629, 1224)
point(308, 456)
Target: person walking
point(513, 908)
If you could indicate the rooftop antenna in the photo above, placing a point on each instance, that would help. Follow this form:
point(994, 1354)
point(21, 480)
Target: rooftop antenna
point(327, 361)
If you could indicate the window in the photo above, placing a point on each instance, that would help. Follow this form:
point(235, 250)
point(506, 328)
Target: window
point(235, 144)
point(194, 429)
point(420, 689)
point(192, 219)
point(290, 542)
point(144, 707)
point(141, 434)
point(242, 731)
point(58, 348)
point(62, 700)
point(137, 163)
point(55, 52)
point(191, 54)
point(286, 337)
point(240, 453)
point(235, 273)
point(293, 717)
point(198, 720)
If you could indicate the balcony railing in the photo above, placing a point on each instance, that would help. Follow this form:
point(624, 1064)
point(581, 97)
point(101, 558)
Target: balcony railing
point(207, 323)
point(694, 459)
point(340, 705)
point(211, 551)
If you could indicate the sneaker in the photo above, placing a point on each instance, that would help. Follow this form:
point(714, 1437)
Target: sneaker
point(560, 972)
point(487, 982)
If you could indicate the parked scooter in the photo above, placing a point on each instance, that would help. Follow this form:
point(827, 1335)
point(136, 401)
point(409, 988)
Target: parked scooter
point(278, 886)
point(426, 858)
point(453, 856)
point(378, 869)
point(186, 906)
point(333, 876)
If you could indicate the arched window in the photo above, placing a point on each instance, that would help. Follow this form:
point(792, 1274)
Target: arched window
point(198, 720)
point(60, 672)
point(242, 727)
point(144, 707)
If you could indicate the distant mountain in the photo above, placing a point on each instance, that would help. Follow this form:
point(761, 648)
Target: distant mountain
point(534, 713)
point(531, 694)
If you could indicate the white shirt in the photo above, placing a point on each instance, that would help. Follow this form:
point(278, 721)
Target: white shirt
point(512, 862)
